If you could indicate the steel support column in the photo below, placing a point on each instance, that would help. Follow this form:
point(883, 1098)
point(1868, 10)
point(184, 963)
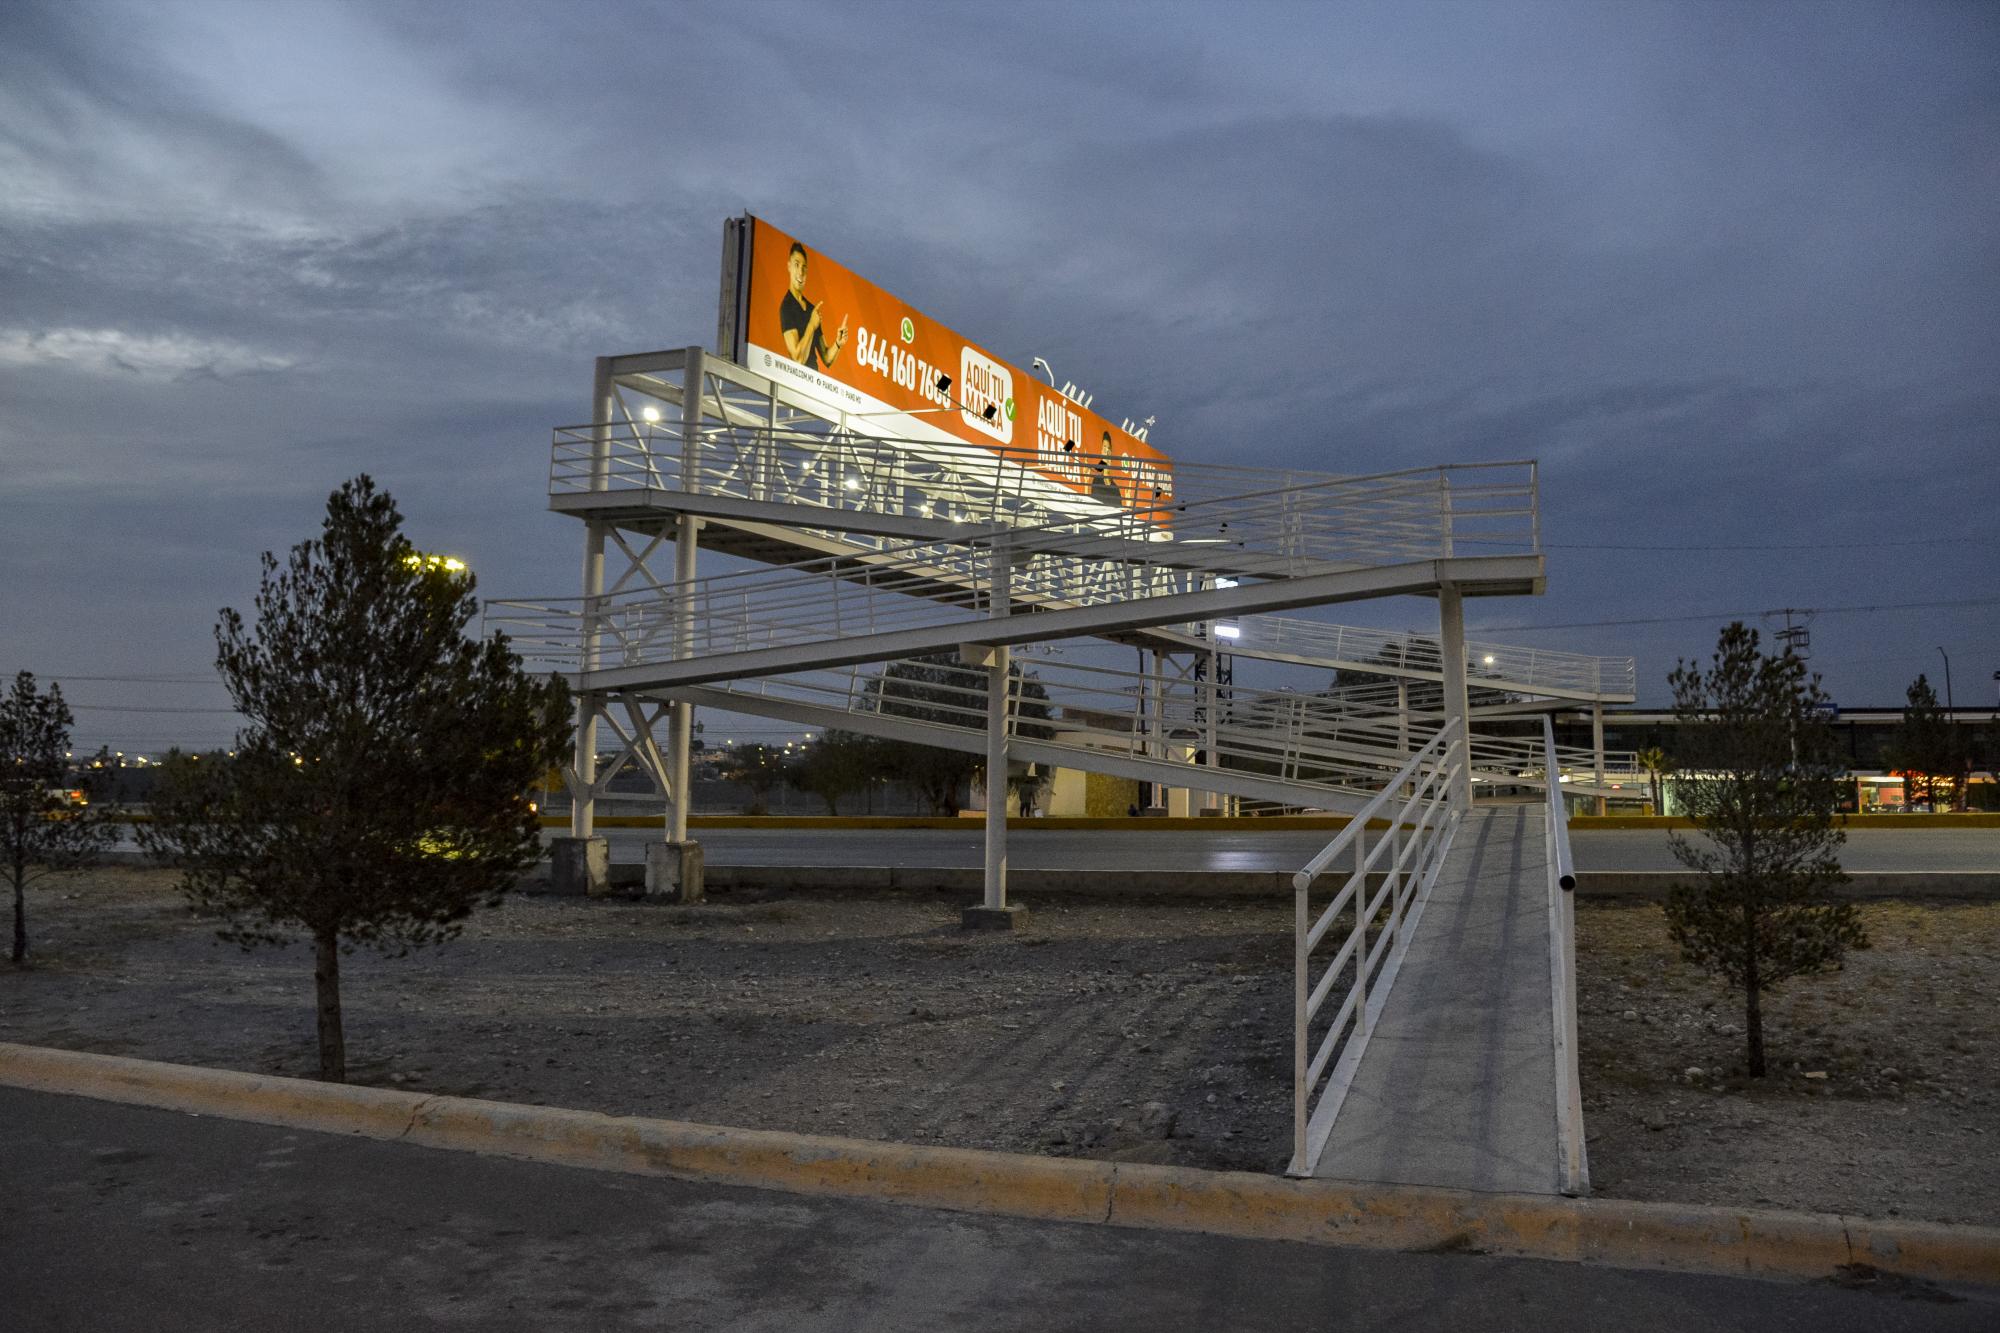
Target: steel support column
point(999, 603)
point(583, 778)
point(680, 735)
point(1597, 752)
point(680, 732)
point(1451, 642)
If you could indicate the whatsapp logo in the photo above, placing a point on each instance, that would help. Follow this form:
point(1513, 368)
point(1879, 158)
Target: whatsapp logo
point(1010, 409)
point(909, 329)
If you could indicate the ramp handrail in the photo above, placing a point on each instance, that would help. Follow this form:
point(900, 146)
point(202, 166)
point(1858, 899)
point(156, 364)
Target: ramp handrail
point(1572, 1154)
point(1418, 836)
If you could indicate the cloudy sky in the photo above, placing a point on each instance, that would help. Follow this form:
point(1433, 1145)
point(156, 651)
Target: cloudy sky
point(1728, 270)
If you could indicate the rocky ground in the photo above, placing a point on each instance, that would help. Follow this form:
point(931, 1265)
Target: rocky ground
point(1136, 1031)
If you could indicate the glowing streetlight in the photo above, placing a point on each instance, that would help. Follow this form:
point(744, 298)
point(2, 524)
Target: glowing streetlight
point(450, 564)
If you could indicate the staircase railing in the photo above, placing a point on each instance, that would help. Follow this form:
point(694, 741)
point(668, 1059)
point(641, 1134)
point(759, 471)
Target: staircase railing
point(1422, 818)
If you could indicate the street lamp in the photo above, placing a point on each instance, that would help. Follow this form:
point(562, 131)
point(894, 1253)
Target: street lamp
point(1947, 680)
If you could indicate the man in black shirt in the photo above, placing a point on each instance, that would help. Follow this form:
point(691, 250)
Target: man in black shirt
point(1102, 487)
point(805, 340)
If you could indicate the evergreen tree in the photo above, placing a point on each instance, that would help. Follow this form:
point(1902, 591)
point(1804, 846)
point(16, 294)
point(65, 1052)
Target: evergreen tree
point(940, 689)
point(837, 763)
point(42, 829)
point(1922, 747)
point(1759, 774)
point(380, 792)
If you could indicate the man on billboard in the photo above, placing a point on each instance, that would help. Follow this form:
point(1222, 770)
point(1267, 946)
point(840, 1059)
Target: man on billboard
point(805, 339)
point(1102, 487)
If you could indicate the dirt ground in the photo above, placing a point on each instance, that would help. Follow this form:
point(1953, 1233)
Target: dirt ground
point(1148, 1031)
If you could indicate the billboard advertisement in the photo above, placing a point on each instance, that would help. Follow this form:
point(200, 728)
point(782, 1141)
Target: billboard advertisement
point(831, 335)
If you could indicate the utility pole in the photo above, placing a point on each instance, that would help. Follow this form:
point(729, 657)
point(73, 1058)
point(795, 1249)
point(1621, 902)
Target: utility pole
point(1796, 637)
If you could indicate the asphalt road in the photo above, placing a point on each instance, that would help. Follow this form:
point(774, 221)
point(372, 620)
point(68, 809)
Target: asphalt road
point(1093, 849)
point(116, 1218)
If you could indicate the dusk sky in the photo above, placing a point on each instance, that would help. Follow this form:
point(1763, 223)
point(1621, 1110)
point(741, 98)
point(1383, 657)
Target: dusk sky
point(1730, 271)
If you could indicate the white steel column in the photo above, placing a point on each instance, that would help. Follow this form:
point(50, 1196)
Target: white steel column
point(1597, 751)
point(1211, 703)
point(583, 796)
point(1451, 642)
point(999, 603)
point(680, 732)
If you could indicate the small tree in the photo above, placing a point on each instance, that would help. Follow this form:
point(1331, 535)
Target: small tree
point(1653, 760)
point(837, 763)
point(1922, 745)
point(1758, 772)
point(42, 830)
point(758, 767)
point(940, 689)
point(380, 793)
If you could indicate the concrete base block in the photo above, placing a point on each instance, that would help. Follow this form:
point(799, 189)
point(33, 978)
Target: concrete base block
point(580, 866)
point(676, 872)
point(980, 917)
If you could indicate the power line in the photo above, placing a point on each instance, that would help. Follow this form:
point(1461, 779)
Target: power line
point(133, 708)
point(1744, 615)
point(60, 676)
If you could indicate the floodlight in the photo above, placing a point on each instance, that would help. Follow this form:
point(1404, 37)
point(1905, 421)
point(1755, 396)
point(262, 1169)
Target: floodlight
point(992, 411)
point(1069, 447)
point(1227, 630)
point(944, 384)
point(850, 482)
point(650, 413)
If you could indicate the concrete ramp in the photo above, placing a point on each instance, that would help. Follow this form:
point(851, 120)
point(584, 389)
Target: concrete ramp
point(1457, 1085)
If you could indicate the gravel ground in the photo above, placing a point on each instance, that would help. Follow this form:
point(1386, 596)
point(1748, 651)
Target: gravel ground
point(1881, 1096)
point(1137, 1031)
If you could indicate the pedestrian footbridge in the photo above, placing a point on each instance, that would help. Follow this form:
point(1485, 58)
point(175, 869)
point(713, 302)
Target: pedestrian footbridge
point(883, 586)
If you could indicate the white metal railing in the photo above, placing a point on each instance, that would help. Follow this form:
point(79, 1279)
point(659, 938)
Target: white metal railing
point(1464, 509)
point(1274, 533)
point(1491, 666)
point(1416, 841)
point(1091, 713)
point(1572, 1155)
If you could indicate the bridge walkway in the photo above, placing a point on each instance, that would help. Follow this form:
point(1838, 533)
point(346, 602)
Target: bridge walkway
point(1457, 1085)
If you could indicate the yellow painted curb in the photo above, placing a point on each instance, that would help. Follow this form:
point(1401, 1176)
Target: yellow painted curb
point(1015, 823)
point(1619, 1233)
point(1967, 820)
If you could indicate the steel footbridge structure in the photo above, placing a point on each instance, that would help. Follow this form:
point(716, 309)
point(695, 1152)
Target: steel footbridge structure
point(889, 586)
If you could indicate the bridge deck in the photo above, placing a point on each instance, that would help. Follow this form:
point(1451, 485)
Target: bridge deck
point(1457, 1086)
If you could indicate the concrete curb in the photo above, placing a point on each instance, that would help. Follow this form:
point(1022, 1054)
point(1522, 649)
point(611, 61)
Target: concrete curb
point(1591, 885)
point(1684, 1238)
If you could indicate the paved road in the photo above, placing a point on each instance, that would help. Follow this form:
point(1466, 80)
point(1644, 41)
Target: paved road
point(116, 1218)
point(1072, 849)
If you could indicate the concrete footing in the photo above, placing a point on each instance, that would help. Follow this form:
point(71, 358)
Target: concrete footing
point(981, 917)
point(676, 872)
point(580, 866)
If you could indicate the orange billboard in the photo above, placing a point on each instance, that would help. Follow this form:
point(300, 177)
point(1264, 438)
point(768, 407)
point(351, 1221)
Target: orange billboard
point(890, 370)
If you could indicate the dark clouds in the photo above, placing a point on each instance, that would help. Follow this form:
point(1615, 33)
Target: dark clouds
point(1727, 271)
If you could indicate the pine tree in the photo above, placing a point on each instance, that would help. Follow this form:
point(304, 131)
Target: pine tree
point(1759, 774)
point(380, 792)
point(42, 830)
